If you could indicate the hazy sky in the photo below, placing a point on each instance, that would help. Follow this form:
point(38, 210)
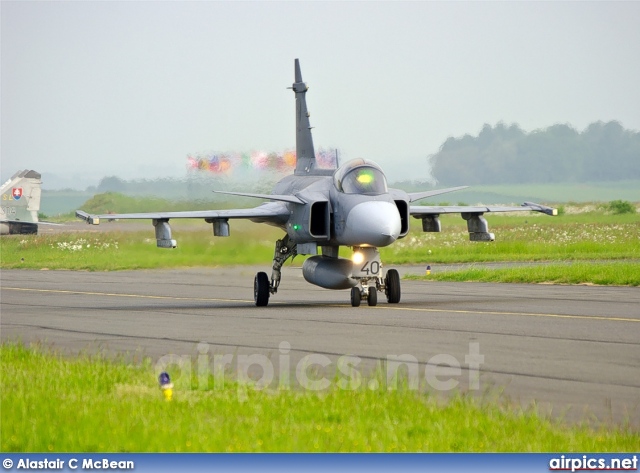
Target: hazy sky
point(130, 88)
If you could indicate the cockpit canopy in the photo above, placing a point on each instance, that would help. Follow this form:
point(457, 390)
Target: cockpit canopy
point(360, 177)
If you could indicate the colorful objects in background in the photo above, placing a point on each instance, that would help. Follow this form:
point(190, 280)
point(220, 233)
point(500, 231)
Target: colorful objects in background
point(226, 163)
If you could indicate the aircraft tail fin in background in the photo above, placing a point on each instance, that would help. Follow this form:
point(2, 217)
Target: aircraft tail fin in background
point(305, 153)
point(20, 203)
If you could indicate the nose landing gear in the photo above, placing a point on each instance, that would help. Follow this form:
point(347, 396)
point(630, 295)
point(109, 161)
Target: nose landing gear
point(367, 269)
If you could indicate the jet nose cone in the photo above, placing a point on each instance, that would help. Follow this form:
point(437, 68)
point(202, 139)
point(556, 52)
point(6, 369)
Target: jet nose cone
point(372, 223)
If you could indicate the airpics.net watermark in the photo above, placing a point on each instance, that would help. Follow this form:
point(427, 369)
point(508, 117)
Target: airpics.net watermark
point(441, 372)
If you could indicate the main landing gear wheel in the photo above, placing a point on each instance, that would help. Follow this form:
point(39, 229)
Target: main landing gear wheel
point(392, 286)
point(372, 298)
point(355, 297)
point(261, 289)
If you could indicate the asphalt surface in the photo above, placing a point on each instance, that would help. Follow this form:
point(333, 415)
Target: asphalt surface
point(573, 350)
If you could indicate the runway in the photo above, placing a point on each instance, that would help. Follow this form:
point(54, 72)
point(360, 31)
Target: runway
point(574, 350)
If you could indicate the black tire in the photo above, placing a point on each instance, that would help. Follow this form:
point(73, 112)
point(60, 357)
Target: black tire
point(392, 283)
point(261, 289)
point(372, 298)
point(355, 297)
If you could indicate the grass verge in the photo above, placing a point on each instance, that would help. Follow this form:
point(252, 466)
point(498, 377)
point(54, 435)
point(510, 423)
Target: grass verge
point(613, 273)
point(589, 236)
point(116, 407)
point(124, 250)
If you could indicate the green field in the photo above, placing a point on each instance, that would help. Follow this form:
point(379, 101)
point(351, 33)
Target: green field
point(617, 273)
point(54, 203)
point(117, 407)
point(556, 193)
point(585, 236)
point(62, 205)
point(121, 250)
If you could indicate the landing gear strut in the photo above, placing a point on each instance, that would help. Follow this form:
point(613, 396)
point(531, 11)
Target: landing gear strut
point(262, 288)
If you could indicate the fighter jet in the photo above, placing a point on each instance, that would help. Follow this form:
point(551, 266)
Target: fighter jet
point(321, 210)
point(21, 203)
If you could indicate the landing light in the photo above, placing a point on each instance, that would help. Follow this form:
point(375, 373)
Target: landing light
point(357, 257)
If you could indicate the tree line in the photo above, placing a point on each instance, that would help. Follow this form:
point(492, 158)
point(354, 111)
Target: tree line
point(508, 155)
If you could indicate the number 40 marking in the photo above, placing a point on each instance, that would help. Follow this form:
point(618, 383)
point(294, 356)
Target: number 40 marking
point(372, 267)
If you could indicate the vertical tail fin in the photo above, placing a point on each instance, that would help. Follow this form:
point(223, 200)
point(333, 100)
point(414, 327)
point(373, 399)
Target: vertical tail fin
point(21, 198)
point(305, 153)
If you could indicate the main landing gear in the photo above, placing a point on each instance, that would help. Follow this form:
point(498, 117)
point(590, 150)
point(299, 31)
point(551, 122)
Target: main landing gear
point(262, 288)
